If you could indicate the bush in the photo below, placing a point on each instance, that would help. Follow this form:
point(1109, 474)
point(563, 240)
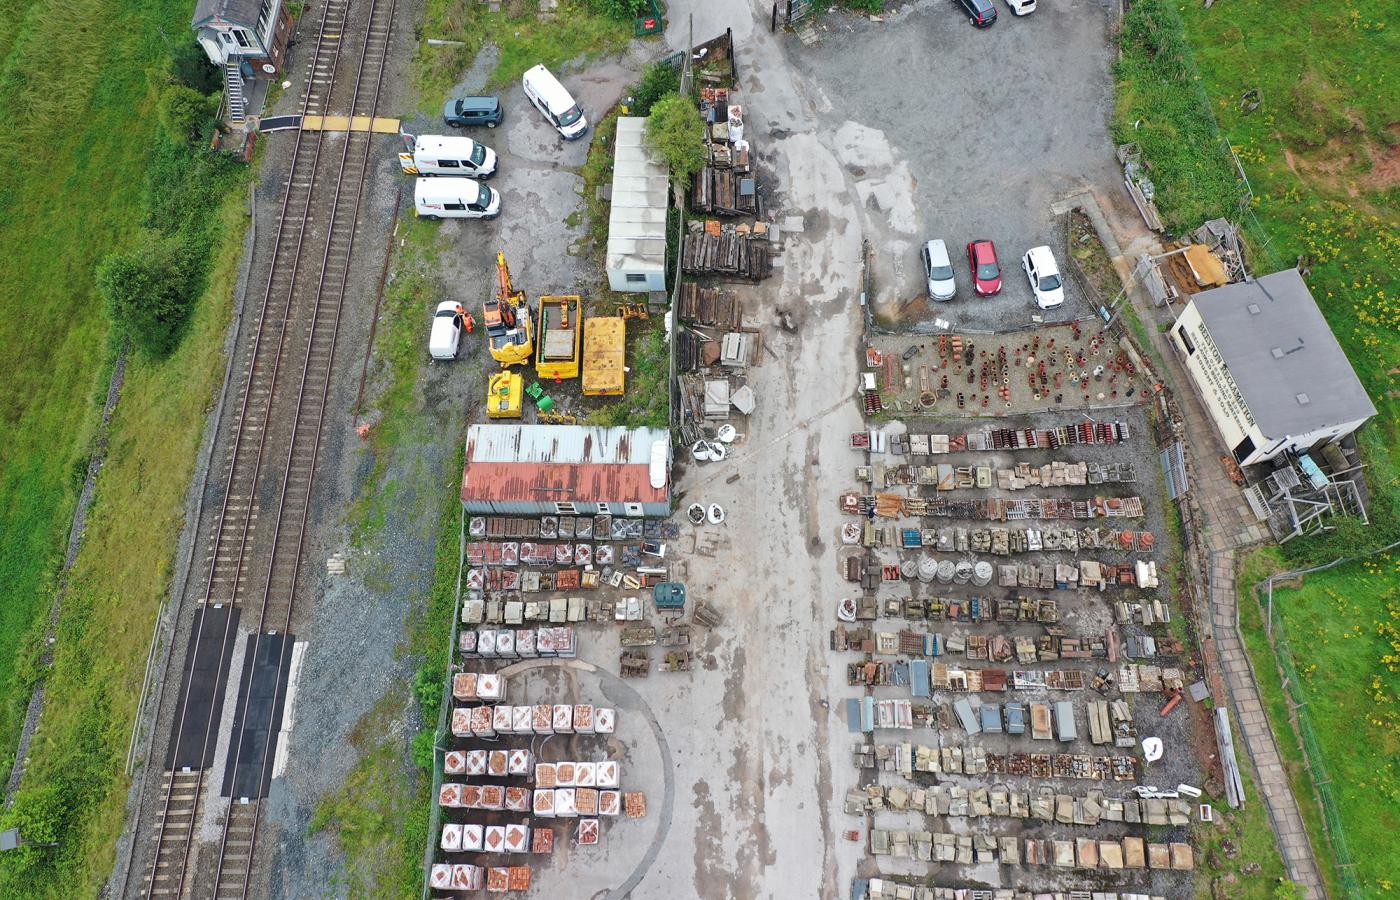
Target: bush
point(190, 66)
point(658, 80)
point(147, 292)
point(421, 749)
point(676, 132)
point(622, 10)
point(185, 113)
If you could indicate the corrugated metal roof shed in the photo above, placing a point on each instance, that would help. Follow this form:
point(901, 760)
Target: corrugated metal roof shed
point(637, 221)
point(488, 442)
point(546, 464)
point(560, 482)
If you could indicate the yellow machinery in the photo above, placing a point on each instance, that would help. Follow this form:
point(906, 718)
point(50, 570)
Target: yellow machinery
point(604, 357)
point(560, 330)
point(507, 321)
point(505, 396)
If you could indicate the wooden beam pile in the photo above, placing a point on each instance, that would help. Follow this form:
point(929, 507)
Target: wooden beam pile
point(725, 192)
point(745, 256)
point(710, 306)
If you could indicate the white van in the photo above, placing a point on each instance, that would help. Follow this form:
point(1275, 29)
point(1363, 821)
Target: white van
point(455, 198)
point(551, 98)
point(435, 154)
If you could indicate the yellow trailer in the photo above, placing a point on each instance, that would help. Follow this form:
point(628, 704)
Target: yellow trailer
point(505, 396)
point(560, 337)
point(604, 357)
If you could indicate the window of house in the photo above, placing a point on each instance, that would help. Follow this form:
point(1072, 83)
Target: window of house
point(604, 509)
point(632, 509)
point(241, 36)
point(566, 509)
point(1185, 340)
point(636, 279)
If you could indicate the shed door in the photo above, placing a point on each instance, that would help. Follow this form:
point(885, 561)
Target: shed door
point(632, 509)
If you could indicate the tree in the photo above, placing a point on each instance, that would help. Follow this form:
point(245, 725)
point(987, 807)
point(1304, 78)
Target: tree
point(676, 132)
point(659, 79)
point(190, 66)
point(184, 113)
point(148, 294)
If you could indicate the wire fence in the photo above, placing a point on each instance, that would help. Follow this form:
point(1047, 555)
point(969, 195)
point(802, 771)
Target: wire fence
point(1277, 632)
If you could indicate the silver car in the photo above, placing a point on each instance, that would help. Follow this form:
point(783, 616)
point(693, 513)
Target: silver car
point(938, 271)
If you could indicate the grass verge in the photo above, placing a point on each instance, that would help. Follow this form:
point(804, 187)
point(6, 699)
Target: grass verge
point(78, 103)
point(1237, 855)
point(1342, 627)
point(522, 37)
point(74, 792)
point(1322, 154)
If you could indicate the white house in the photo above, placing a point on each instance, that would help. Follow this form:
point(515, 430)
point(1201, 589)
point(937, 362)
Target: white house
point(1268, 368)
point(636, 259)
point(251, 35)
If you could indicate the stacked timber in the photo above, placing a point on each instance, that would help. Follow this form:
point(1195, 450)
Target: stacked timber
point(745, 256)
point(710, 306)
point(725, 192)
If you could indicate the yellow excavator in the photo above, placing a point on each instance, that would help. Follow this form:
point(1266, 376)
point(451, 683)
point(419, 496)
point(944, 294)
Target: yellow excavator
point(507, 321)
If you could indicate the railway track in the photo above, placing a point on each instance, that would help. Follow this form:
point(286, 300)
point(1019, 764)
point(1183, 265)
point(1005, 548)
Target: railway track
point(202, 839)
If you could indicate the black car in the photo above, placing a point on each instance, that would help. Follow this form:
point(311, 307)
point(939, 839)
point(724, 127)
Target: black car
point(465, 111)
point(980, 12)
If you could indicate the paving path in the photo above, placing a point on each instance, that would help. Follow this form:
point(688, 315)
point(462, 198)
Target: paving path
point(1227, 525)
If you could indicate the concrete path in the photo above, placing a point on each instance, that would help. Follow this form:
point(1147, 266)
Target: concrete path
point(1227, 525)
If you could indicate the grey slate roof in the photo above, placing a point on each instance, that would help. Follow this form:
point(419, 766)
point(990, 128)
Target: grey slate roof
point(240, 12)
point(1284, 349)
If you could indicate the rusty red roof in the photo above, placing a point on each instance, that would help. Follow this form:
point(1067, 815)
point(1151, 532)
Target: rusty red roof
point(560, 482)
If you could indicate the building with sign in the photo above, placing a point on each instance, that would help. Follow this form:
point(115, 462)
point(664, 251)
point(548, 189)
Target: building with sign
point(1268, 368)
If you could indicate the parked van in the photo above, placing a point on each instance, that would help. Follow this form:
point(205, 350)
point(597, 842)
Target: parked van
point(435, 154)
point(551, 98)
point(455, 198)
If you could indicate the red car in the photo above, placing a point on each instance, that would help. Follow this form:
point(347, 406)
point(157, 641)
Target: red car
point(986, 271)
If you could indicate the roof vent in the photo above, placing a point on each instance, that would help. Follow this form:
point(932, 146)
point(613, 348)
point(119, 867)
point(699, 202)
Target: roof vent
point(1303, 399)
point(1277, 352)
point(1253, 309)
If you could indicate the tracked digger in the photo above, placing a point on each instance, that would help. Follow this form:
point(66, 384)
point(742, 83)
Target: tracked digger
point(507, 321)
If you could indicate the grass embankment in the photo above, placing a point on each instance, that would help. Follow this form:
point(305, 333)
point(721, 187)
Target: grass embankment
point(1322, 153)
point(1342, 627)
point(523, 39)
point(82, 169)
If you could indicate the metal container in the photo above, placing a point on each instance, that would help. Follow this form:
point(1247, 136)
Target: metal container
point(982, 574)
point(928, 567)
point(962, 573)
point(945, 571)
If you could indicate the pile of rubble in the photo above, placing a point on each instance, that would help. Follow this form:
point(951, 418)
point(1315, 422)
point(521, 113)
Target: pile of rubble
point(981, 849)
point(1042, 804)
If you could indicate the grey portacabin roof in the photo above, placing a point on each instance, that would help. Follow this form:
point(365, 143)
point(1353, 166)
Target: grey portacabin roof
point(1283, 350)
point(240, 12)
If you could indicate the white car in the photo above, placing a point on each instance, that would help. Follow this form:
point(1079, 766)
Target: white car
point(1021, 7)
point(938, 271)
point(1044, 276)
point(446, 333)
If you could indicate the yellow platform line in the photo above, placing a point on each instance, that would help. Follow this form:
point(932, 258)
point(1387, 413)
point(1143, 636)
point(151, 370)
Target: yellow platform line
point(377, 124)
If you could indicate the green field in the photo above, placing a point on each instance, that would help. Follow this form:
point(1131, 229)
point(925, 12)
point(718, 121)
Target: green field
point(81, 170)
point(1322, 157)
point(1342, 630)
